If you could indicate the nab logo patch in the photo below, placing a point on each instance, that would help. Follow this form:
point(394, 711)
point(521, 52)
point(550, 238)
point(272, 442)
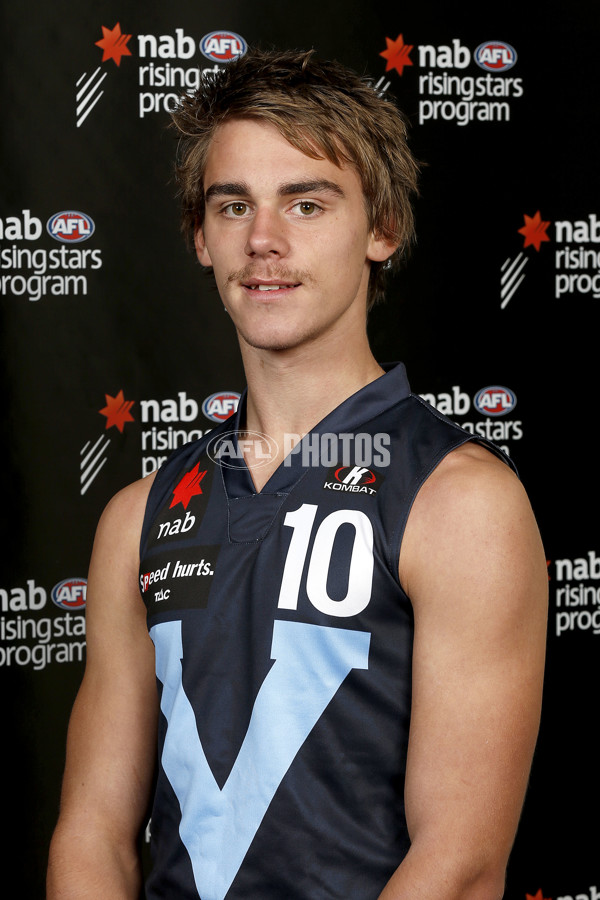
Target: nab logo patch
point(219, 407)
point(353, 479)
point(223, 46)
point(495, 401)
point(495, 56)
point(70, 593)
point(70, 227)
point(190, 491)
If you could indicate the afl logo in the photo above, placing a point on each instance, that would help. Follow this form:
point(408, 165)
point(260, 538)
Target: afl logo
point(495, 56)
point(70, 227)
point(70, 593)
point(229, 449)
point(223, 46)
point(219, 407)
point(495, 401)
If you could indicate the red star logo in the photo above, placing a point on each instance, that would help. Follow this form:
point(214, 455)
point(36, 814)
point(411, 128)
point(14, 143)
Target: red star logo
point(538, 896)
point(397, 54)
point(114, 44)
point(188, 487)
point(117, 411)
point(534, 231)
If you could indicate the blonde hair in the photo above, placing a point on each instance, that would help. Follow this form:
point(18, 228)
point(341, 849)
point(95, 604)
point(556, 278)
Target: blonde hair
point(323, 109)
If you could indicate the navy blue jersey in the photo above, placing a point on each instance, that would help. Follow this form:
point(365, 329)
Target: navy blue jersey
point(283, 654)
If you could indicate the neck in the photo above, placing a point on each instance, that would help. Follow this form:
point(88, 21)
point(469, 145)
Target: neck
point(290, 391)
point(295, 393)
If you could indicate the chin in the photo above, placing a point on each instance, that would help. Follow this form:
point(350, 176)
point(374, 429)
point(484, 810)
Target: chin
point(276, 339)
point(274, 344)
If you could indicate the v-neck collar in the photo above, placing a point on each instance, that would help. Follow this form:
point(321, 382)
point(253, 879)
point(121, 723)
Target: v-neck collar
point(365, 404)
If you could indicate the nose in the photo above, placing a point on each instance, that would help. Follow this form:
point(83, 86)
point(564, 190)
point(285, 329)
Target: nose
point(266, 236)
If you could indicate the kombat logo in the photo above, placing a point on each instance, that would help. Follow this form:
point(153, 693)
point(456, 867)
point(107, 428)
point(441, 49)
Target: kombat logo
point(353, 479)
point(576, 257)
point(459, 98)
point(220, 47)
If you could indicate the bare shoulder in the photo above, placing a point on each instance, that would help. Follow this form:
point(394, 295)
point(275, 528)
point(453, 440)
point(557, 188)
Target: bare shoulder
point(119, 649)
point(113, 573)
point(125, 510)
point(121, 522)
point(468, 475)
point(472, 519)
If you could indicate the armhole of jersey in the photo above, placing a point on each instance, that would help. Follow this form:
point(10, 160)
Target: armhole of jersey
point(462, 437)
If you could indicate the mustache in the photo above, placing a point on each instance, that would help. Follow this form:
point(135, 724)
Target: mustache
point(272, 273)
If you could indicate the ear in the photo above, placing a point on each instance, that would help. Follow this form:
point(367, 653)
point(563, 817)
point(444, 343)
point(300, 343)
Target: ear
point(200, 245)
point(380, 248)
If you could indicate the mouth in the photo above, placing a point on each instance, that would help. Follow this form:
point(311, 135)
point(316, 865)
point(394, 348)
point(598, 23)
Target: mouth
point(269, 287)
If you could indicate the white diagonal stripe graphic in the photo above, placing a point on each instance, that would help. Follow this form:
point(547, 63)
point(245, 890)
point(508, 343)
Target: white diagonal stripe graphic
point(90, 80)
point(86, 458)
point(509, 295)
point(381, 90)
point(515, 262)
point(89, 96)
point(88, 111)
point(92, 462)
point(86, 93)
point(92, 477)
point(510, 281)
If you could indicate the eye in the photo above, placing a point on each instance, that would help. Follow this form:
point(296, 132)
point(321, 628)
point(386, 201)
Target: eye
point(237, 209)
point(307, 207)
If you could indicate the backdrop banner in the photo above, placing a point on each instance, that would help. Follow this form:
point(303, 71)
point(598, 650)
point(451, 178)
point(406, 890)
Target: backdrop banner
point(116, 349)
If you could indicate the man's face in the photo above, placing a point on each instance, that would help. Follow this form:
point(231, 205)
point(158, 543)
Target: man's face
point(287, 237)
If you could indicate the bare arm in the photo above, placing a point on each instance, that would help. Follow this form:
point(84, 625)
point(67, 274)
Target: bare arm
point(111, 743)
point(473, 565)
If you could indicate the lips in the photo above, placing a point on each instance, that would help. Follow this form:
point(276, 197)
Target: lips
point(269, 287)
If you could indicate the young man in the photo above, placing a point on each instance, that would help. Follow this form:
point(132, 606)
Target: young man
point(300, 612)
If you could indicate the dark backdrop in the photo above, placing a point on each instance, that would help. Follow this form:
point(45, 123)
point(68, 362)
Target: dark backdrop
point(110, 311)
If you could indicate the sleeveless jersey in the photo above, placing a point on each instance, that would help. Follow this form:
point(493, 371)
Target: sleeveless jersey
point(283, 654)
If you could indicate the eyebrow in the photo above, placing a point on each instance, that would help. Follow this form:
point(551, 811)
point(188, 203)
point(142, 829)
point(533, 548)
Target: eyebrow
point(241, 189)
